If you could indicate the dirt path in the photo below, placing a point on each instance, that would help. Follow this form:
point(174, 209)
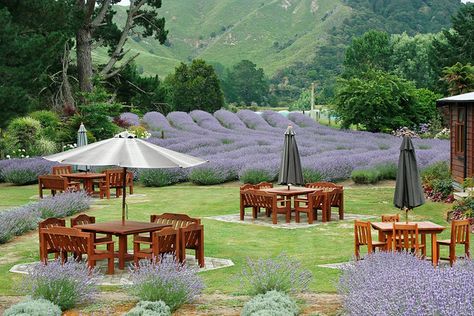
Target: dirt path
point(117, 303)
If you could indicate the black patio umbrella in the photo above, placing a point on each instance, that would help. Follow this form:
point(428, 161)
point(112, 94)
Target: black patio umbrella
point(408, 190)
point(290, 167)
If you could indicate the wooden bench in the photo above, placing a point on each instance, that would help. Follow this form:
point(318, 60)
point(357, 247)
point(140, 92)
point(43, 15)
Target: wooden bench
point(190, 233)
point(47, 223)
point(337, 195)
point(260, 199)
point(164, 241)
point(56, 183)
point(114, 180)
point(65, 239)
point(310, 205)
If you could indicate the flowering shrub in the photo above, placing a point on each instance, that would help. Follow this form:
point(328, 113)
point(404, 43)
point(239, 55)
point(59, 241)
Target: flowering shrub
point(17, 221)
point(145, 308)
point(128, 119)
point(437, 182)
point(39, 307)
point(365, 176)
point(139, 131)
point(66, 285)
point(463, 209)
point(170, 281)
point(405, 131)
point(272, 303)
point(393, 283)
point(445, 133)
point(161, 177)
point(24, 171)
point(282, 274)
point(254, 175)
point(211, 173)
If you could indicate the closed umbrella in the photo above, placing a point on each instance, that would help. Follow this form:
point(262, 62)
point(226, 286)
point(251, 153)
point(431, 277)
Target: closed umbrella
point(82, 141)
point(127, 151)
point(290, 167)
point(408, 190)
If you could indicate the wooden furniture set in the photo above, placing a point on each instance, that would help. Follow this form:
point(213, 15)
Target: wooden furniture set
point(315, 196)
point(397, 236)
point(63, 179)
point(166, 233)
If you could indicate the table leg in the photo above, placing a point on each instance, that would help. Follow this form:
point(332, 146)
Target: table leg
point(389, 239)
point(122, 251)
point(88, 186)
point(434, 252)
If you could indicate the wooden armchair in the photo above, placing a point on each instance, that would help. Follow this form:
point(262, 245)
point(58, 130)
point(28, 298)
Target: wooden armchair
point(65, 239)
point(363, 237)
point(405, 237)
point(460, 231)
point(337, 199)
point(83, 219)
point(190, 233)
point(391, 218)
point(264, 185)
point(310, 205)
point(114, 180)
point(55, 183)
point(61, 169)
point(48, 223)
point(261, 199)
point(164, 241)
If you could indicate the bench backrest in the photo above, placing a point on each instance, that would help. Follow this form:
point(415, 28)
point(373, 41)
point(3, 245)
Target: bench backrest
point(192, 235)
point(176, 220)
point(61, 169)
point(52, 222)
point(67, 239)
point(258, 198)
point(264, 185)
point(82, 219)
point(165, 240)
point(53, 182)
point(247, 186)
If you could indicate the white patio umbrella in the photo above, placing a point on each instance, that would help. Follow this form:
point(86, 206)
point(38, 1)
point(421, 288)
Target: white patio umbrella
point(127, 151)
point(82, 141)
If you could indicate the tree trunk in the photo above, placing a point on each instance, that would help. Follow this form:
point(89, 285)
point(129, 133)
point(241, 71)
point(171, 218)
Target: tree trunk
point(84, 58)
point(68, 99)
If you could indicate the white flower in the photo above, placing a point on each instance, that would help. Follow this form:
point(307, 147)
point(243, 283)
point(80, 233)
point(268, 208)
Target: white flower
point(27, 156)
point(8, 156)
point(22, 156)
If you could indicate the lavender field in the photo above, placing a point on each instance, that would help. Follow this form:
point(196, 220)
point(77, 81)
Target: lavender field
point(236, 143)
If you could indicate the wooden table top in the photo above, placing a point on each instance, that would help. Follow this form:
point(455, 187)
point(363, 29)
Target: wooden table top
point(422, 226)
point(84, 175)
point(293, 190)
point(118, 228)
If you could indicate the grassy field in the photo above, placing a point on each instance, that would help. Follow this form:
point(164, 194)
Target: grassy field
point(326, 243)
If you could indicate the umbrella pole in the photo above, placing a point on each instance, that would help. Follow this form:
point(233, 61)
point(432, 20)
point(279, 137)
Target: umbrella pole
point(124, 193)
point(406, 214)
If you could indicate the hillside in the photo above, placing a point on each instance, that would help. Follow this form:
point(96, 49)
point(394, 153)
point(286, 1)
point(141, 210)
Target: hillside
point(275, 33)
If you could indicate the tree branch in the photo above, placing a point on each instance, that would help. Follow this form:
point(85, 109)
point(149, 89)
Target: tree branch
point(101, 15)
point(117, 70)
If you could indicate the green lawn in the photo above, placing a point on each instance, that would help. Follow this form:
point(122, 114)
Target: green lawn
point(326, 243)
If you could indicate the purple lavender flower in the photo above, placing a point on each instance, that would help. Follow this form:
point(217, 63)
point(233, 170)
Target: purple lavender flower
point(24, 171)
point(130, 119)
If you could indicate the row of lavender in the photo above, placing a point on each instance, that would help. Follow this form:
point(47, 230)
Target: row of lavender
point(237, 144)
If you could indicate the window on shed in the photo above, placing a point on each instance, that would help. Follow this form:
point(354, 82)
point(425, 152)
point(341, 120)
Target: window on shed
point(460, 135)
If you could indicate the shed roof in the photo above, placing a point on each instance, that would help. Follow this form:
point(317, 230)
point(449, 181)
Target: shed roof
point(461, 98)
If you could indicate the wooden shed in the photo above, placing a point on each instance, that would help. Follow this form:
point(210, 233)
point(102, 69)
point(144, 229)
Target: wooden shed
point(461, 121)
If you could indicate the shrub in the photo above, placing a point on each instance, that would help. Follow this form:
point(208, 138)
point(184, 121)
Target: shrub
point(170, 281)
point(437, 182)
point(25, 171)
point(50, 122)
point(146, 308)
point(311, 175)
point(281, 274)
point(210, 174)
point(255, 176)
point(22, 133)
point(161, 177)
point(387, 171)
point(129, 119)
point(63, 204)
point(439, 170)
point(393, 283)
point(139, 131)
point(272, 303)
point(367, 176)
point(46, 147)
point(17, 221)
point(39, 307)
point(66, 285)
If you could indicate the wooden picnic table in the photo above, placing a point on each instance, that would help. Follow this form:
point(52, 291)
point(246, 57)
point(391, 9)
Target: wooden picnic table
point(424, 228)
point(87, 179)
point(294, 191)
point(122, 230)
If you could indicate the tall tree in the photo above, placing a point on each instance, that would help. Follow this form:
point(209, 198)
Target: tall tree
point(97, 26)
point(459, 77)
point(245, 83)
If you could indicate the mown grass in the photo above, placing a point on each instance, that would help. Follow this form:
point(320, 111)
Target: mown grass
point(326, 243)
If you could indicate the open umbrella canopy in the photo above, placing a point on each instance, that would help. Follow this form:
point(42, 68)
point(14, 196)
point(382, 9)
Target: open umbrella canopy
point(408, 190)
point(125, 150)
point(290, 167)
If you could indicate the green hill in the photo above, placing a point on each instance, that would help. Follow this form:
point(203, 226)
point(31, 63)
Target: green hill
point(275, 34)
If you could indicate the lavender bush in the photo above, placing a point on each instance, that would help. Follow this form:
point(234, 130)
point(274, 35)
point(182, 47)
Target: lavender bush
point(282, 274)
point(63, 204)
point(146, 308)
point(168, 280)
point(129, 119)
point(66, 285)
point(272, 303)
point(211, 173)
point(391, 283)
point(17, 221)
point(24, 171)
point(39, 307)
point(161, 177)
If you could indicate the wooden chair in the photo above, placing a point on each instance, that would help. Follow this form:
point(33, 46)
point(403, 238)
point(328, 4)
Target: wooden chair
point(164, 241)
point(190, 233)
point(310, 205)
point(83, 219)
point(65, 239)
point(264, 185)
point(114, 180)
point(363, 237)
point(61, 169)
point(261, 199)
point(390, 218)
point(460, 235)
point(337, 199)
point(405, 237)
point(47, 223)
point(55, 183)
